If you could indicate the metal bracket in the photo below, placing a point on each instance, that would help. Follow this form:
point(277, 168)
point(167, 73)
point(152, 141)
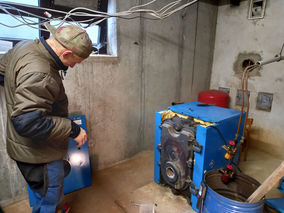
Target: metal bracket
point(193, 189)
point(189, 163)
point(201, 196)
point(197, 147)
point(159, 147)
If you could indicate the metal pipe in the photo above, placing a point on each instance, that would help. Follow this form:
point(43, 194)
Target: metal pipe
point(275, 59)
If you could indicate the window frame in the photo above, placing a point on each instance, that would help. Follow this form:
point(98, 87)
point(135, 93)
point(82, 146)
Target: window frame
point(102, 6)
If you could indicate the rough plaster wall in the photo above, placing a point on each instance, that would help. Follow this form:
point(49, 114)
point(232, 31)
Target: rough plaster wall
point(236, 34)
point(12, 184)
point(119, 95)
point(108, 92)
point(204, 46)
point(178, 60)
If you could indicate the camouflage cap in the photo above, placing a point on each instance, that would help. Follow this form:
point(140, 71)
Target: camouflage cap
point(73, 38)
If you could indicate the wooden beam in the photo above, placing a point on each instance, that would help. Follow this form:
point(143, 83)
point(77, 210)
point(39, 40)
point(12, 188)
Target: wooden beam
point(266, 186)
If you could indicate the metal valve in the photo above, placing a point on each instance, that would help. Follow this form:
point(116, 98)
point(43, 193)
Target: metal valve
point(227, 174)
point(230, 150)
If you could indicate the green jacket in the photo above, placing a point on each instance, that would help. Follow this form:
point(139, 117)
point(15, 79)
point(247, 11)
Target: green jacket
point(37, 106)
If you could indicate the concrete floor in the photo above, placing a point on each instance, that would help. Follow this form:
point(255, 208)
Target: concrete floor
point(114, 188)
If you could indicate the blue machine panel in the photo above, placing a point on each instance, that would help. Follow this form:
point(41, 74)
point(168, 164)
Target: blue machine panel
point(158, 118)
point(281, 187)
point(276, 203)
point(211, 139)
point(205, 112)
point(80, 173)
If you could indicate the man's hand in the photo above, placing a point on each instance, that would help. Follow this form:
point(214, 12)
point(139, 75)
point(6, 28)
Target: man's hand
point(81, 138)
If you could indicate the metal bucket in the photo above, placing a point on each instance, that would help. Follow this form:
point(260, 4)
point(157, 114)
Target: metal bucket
point(230, 197)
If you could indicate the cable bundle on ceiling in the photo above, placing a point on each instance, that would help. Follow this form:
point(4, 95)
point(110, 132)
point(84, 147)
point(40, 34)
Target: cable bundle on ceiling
point(90, 16)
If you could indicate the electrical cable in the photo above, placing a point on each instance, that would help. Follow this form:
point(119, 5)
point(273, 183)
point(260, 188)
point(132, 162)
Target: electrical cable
point(220, 133)
point(22, 20)
point(19, 10)
point(82, 12)
point(143, 5)
point(37, 16)
point(169, 6)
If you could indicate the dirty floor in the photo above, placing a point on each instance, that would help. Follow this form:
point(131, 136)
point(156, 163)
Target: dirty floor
point(128, 187)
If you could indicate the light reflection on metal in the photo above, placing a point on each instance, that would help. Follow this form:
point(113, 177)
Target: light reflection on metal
point(77, 159)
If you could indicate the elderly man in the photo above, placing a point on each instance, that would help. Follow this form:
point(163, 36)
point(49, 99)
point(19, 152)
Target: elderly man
point(37, 108)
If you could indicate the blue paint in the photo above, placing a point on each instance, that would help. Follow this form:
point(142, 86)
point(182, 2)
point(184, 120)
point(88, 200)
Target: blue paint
point(216, 203)
point(158, 118)
point(276, 203)
point(281, 187)
point(212, 114)
point(80, 174)
point(199, 166)
point(212, 154)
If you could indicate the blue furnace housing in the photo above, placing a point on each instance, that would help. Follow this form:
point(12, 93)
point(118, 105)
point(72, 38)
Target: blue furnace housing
point(210, 139)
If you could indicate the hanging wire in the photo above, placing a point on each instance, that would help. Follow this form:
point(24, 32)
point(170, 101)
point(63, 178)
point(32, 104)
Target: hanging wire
point(92, 15)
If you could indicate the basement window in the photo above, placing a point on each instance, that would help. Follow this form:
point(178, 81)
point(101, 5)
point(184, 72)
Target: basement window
point(93, 31)
point(11, 35)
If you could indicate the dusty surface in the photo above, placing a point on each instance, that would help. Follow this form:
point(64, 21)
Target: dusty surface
point(154, 196)
point(114, 189)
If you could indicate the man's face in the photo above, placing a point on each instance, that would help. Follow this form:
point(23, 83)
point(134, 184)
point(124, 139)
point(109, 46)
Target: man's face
point(71, 60)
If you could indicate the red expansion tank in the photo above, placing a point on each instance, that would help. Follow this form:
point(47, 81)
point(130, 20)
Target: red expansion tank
point(215, 97)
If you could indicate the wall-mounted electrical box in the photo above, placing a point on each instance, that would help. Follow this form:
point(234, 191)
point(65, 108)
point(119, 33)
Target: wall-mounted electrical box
point(224, 89)
point(256, 9)
point(239, 98)
point(264, 101)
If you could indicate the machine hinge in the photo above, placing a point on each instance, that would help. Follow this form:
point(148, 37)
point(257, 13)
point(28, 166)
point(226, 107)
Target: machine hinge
point(193, 189)
point(159, 147)
point(197, 147)
point(189, 163)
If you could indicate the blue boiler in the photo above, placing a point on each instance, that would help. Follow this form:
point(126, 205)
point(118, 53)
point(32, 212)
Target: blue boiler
point(188, 143)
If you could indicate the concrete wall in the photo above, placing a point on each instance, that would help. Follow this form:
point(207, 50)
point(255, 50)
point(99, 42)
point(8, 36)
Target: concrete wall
point(155, 65)
point(263, 38)
point(158, 62)
point(12, 183)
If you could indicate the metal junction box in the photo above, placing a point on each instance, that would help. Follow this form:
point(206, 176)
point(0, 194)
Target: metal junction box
point(188, 142)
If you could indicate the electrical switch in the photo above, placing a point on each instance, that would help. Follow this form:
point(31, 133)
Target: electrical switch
point(256, 9)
